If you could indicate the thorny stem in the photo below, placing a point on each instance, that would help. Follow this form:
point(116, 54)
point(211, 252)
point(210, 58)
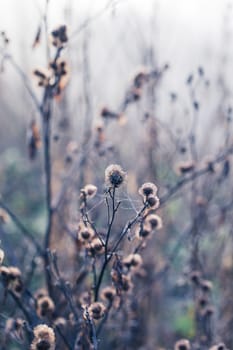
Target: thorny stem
point(99, 329)
point(86, 219)
point(63, 338)
point(22, 307)
point(64, 288)
point(110, 221)
point(94, 273)
point(94, 335)
point(46, 113)
point(101, 275)
point(116, 245)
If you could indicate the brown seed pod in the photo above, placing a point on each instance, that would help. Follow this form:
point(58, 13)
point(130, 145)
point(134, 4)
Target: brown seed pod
point(114, 176)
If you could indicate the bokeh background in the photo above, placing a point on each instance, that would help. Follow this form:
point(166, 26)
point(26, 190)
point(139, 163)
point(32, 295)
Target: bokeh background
point(109, 43)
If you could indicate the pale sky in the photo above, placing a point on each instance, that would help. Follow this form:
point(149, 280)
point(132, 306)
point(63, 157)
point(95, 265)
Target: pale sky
point(185, 33)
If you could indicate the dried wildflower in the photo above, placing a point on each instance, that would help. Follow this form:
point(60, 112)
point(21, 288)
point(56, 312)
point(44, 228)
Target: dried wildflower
point(40, 293)
point(195, 277)
point(34, 140)
point(185, 167)
point(14, 272)
point(208, 311)
point(11, 278)
point(45, 306)
point(206, 286)
point(85, 299)
point(220, 346)
point(202, 302)
point(10, 275)
point(136, 94)
point(59, 67)
point(100, 135)
point(133, 95)
point(60, 73)
point(139, 79)
point(183, 344)
point(114, 175)
point(43, 76)
point(96, 310)
point(72, 148)
point(148, 189)
point(122, 282)
point(154, 221)
point(143, 231)
point(13, 324)
point(59, 36)
point(126, 284)
point(107, 113)
point(17, 286)
point(115, 276)
point(153, 202)
point(85, 233)
point(108, 293)
point(132, 260)
point(89, 191)
point(1, 256)
point(60, 322)
point(97, 247)
point(15, 327)
point(44, 338)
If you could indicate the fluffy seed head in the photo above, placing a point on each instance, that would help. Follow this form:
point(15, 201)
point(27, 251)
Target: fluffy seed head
point(132, 260)
point(60, 322)
point(44, 338)
point(182, 344)
point(154, 221)
point(96, 246)
point(195, 277)
point(147, 189)
point(206, 286)
point(89, 190)
point(126, 284)
point(114, 175)
point(185, 167)
point(96, 310)
point(85, 233)
point(45, 306)
point(108, 293)
point(143, 231)
point(153, 201)
point(220, 346)
point(59, 36)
